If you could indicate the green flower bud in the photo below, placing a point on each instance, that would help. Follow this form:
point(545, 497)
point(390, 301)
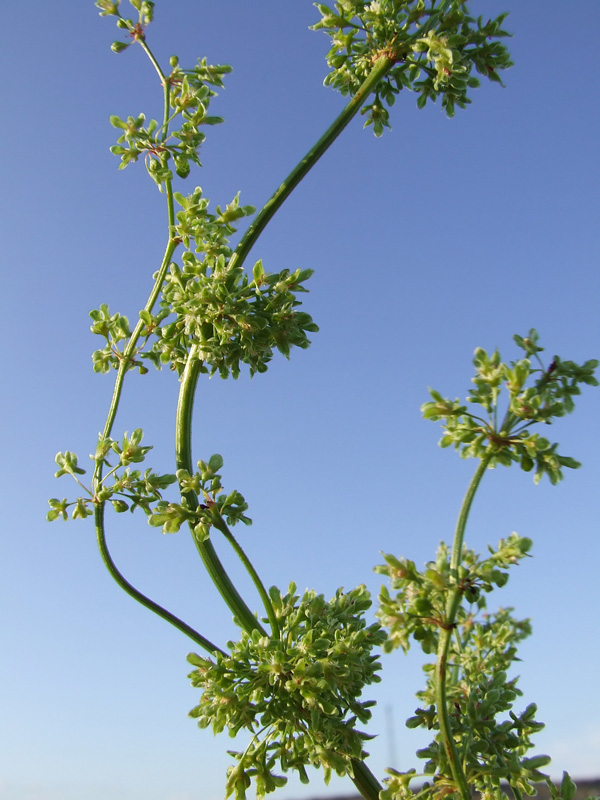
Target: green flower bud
point(118, 47)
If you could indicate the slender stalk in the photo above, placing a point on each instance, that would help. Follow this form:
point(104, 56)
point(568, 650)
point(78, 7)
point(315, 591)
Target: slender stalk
point(363, 778)
point(130, 350)
point(461, 524)
point(183, 456)
point(170, 249)
point(452, 606)
point(248, 240)
point(381, 65)
point(108, 425)
point(165, 84)
point(141, 598)
point(260, 587)
point(190, 375)
point(124, 365)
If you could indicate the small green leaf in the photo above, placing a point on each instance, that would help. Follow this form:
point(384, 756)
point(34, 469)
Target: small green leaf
point(258, 272)
point(215, 463)
point(536, 762)
point(567, 787)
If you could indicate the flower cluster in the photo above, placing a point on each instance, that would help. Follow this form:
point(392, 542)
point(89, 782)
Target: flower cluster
point(189, 94)
point(296, 693)
point(493, 746)
point(232, 319)
point(217, 505)
point(432, 50)
point(504, 438)
point(126, 488)
point(418, 609)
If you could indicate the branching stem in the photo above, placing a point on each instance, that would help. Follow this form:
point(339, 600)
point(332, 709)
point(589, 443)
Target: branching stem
point(191, 372)
point(141, 598)
point(124, 366)
point(183, 457)
point(165, 85)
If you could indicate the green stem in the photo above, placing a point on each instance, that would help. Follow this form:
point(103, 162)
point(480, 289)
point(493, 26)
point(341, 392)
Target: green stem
point(97, 479)
point(129, 351)
point(452, 606)
point(183, 455)
point(382, 65)
point(165, 85)
point(516, 791)
point(364, 780)
point(141, 598)
point(260, 587)
point(461, 524)
point(189, 378)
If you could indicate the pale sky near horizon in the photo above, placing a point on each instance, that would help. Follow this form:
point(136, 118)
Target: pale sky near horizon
point(441, 236)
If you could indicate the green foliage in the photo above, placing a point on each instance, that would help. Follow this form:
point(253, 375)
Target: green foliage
point(217, 506)
point(187, 94)
point(506, 438)
point(126, 489)
point(114, 328)
point(296, 689)
point(231, 319)
point(297, 693)
point(418, 610)
point(215, 306)
point(492, 747)
point(435, 50)
point(443, 607)
point(189, 99)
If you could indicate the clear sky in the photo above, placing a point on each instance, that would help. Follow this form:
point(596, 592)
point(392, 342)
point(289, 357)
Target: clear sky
point(441, 236)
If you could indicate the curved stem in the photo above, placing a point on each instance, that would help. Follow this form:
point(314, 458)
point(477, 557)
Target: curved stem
point(452, 606)
point(260, 587)
point(382, 65)
point(97, 478)
point(131, 344)
point(137, 595)
point(124, 366)
point(461, 524)
point(183, 455)
point(189, 378)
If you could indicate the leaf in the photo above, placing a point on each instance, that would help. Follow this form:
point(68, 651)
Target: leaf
point(196, 660)
point(215, 462)
point(258, 272)
point(567, 787)
point(535, 762)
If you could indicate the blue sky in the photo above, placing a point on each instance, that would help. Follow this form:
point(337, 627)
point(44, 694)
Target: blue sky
point(441, 236)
